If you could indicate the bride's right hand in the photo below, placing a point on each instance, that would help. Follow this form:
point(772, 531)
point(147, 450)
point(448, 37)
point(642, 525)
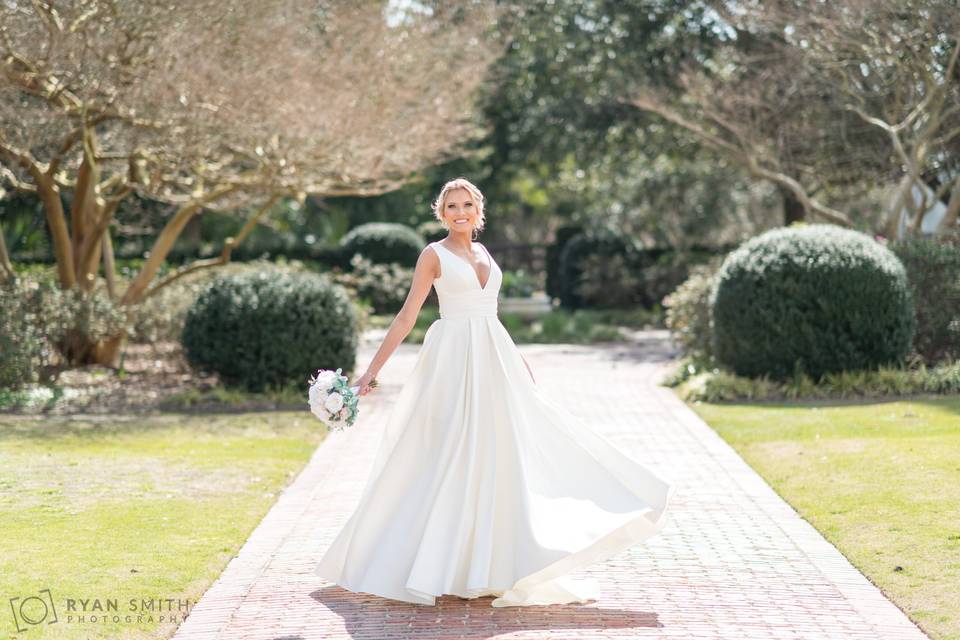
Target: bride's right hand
point(364, 383)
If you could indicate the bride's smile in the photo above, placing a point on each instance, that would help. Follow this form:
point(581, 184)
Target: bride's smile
point(460, 209)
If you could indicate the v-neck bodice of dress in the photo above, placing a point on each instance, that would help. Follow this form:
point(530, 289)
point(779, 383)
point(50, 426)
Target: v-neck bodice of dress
point(459, 290)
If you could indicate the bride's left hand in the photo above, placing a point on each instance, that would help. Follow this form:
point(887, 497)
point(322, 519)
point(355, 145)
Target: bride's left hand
point(364, 382)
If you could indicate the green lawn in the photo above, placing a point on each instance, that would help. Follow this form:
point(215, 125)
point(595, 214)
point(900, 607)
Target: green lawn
point(123, 508)
point(880, 481)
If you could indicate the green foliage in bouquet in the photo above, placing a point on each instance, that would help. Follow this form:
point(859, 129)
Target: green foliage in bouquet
point(811, 298)
point(269, 329)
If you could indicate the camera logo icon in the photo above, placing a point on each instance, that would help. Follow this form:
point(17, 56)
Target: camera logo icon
point(33, 610)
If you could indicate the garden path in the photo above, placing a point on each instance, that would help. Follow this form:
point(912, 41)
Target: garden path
point(735, 561)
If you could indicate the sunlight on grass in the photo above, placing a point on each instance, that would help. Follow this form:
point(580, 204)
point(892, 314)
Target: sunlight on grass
point(135, 508)
point(881, 481)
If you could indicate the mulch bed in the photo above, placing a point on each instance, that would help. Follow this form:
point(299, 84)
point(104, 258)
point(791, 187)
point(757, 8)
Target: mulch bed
point(150, 373)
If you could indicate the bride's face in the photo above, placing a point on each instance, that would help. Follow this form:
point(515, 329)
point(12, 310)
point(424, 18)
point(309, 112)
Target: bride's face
point(460, 211)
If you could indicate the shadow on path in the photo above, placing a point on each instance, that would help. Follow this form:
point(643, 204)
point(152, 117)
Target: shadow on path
point(362, 613)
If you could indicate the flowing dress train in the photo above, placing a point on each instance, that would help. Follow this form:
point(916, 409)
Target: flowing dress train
point(483, 485)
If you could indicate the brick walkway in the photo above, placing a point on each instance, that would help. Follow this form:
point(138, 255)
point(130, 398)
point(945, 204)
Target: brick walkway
point(734, 562)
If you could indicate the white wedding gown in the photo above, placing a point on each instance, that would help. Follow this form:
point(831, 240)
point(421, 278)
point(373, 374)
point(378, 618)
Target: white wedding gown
point(482, 485)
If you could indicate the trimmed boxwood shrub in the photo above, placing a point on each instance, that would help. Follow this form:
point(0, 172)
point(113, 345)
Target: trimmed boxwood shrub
point(383, 243)
point(812, 299)
point(933, 269)
point(268, 329)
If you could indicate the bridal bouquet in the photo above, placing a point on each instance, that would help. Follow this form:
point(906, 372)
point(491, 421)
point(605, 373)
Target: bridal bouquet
point(332, 401)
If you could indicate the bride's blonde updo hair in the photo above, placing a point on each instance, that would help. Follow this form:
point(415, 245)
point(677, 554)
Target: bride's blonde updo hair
point(441, 201)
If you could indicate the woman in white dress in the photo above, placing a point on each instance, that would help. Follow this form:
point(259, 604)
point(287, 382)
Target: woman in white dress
point(482, 485)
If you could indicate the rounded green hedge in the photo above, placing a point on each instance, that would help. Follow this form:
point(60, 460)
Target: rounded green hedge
point(383, 243)
point(266, 330)
point(812, 298)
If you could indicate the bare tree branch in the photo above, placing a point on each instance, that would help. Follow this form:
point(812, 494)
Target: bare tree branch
point(229, 245)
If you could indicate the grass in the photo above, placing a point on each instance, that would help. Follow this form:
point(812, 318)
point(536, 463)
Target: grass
point(880, 481)
point(136, 508)
point(221, 397)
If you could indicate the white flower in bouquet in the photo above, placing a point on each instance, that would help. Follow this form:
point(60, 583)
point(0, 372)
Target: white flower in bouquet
point(325, 378)
point(332, 401)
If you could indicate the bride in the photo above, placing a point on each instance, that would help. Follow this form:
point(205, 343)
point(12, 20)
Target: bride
point(482, 485)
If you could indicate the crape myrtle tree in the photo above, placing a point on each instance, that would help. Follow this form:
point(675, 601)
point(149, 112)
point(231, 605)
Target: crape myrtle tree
point(223, 105)
point(820, 97)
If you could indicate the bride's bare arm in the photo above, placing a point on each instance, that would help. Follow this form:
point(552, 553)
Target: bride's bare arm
point(428, 268)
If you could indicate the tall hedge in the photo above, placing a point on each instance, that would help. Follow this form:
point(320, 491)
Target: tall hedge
point(263, 330)
point(813, 298)
point(576, 253)
point(553, 258)
point(933, 270)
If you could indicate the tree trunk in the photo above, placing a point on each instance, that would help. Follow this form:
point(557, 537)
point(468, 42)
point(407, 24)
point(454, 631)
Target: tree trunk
point(107, 352)
point(78, 350)
point(56, 220)
point(6, 267)
point(82, 213)
point(109, 265)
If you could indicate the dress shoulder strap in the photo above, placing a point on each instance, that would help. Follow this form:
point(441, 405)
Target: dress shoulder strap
point(488, 254)
point(438, 250)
